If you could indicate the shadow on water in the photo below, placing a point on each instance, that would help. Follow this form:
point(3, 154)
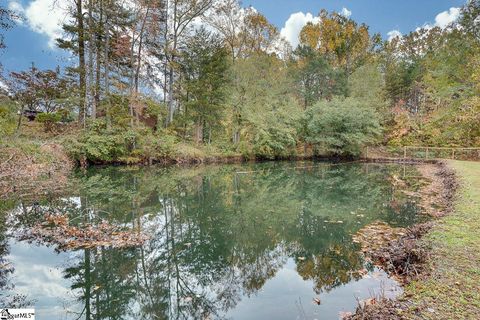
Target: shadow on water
point(249, 241)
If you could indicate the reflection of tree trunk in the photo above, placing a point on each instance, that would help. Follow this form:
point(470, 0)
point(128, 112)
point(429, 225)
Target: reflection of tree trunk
point(98, 311)
point(86, 254)
point(88, 284)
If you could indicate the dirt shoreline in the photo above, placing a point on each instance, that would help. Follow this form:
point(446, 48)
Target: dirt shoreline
point(407, 258)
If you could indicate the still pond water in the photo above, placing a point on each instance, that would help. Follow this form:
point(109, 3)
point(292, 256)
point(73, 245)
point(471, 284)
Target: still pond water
point(250, 241)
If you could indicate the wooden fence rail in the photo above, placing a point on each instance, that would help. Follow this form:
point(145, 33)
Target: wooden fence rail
point(452, 151)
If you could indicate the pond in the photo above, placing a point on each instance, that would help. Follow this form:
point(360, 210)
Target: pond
point(244, 241)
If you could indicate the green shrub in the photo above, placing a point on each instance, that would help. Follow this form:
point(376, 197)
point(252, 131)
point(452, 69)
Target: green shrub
point(49, 120)
point(156, 146)
point(341, 126)
point(274, 142)
point(99, 144)
point(8, 120)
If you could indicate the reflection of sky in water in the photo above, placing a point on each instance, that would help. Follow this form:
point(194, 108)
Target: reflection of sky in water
point(288, 296)
point(39, 276)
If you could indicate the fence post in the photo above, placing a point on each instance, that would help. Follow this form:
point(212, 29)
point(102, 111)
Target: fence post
point(367, 153)
point(404, 152)
point(426, 154)
point(453, 154)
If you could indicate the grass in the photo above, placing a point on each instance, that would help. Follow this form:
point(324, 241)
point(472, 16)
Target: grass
point(453, 289)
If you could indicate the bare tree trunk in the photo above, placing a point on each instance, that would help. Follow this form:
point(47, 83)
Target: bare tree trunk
point(140, 47)
point(20, 116)
point(171, 102)
point(107, 68)
point(132, 99)
point(91, 49)
point(136, 75)
point(98, 58)
point(199, 132)
point(81, 62)
point(171, 96)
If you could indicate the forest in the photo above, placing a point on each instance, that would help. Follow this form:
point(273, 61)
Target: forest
point(159, 81)
point(95, 222)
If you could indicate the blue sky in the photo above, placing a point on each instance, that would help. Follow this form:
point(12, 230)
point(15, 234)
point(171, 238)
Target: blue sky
point(32, 41)
point(381, 15)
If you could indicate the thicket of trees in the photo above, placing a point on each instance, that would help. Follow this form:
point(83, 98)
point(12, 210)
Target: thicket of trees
point(155, 74)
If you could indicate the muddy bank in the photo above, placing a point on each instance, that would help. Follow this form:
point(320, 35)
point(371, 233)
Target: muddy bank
point(406, 257)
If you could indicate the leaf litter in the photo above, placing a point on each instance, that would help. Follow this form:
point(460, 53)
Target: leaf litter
point(57, 230)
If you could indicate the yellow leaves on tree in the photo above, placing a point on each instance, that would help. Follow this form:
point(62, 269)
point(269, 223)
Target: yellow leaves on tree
point(339, 38)
point(259, 33)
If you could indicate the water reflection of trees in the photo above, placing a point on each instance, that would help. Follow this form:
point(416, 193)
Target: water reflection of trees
point(219, 235)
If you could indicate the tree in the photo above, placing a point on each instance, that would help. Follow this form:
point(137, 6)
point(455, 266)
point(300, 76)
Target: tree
point(259, 35)
point(345, 43)
point(470, 19)
point(41, 90)
point(180, 15)
point(341, 126)
point(315, 78)
point(366, 84)
point(204, 78)
point(7, 18)
point(228, 19)
point(264, 112)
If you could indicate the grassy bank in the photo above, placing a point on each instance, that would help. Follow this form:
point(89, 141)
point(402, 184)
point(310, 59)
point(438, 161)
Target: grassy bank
point(453, 289)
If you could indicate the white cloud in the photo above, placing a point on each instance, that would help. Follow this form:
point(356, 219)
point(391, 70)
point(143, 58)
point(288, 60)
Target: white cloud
point(3, 86)
point(445, 18)
point(345, 12)
point(43, 16)
point(394, 34)
point(294, 25)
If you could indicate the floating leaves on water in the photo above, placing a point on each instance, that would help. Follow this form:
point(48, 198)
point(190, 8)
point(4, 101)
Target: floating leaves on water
point(376, 235)
point(363, 272)
point(56, 230)
point(344, 314)
point(368, 302)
